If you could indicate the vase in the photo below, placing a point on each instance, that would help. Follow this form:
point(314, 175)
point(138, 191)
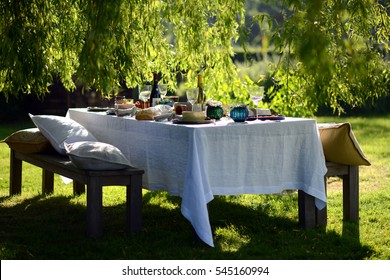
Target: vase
point(214, 112)
point(239, 113)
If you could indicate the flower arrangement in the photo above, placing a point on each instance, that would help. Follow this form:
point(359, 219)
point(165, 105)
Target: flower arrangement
point(213, 103)
point(214, 109)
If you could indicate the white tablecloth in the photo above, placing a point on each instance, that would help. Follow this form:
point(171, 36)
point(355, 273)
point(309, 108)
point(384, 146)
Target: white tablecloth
point(197, 162)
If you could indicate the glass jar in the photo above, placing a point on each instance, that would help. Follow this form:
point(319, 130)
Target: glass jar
point(179, 107)
point(214, 112)
point(119, 101)
point(239, 113)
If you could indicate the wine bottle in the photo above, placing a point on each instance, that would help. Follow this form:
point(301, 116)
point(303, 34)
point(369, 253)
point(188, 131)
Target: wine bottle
point(201, 96)
point(155, 94)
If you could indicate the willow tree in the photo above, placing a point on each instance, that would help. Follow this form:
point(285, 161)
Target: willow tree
point(331, 51)
point(100, 43)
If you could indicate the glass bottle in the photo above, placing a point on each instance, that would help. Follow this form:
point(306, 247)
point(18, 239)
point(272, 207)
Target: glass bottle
point(155, 94)
point(201, 95)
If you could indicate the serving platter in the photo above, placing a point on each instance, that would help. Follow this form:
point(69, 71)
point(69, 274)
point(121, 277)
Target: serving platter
point(177, 121)
point(267, 117)
point(99, 109)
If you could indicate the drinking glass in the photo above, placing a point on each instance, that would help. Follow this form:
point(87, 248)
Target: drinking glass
point(163, 91)
point(144, 94)
point(256, 94)
point(192, 96)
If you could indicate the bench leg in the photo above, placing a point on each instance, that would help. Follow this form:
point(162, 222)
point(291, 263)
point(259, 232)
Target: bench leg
point(78, 188)
point(306, 210)
point(351, 194)
point(134, 204)
point(94, 208)
point(15, 180)
point(47, 182)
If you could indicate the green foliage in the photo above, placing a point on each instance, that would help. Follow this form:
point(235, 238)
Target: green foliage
point(100, 43)
point(332, 53)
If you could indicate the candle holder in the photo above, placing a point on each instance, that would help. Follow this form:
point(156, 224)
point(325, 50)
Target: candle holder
point(214, 112)
point(239, 113)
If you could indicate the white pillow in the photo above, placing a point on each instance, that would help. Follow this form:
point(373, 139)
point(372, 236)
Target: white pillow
point(59, 129)
point(94, 155)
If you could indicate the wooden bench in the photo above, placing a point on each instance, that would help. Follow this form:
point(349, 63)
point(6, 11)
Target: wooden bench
point(95, 180)
point(350, 177)
point(343, 157)
point(310, 216)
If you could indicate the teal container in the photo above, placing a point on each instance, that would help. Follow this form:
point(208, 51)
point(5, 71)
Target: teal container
point(239, 113)
point(214, 112)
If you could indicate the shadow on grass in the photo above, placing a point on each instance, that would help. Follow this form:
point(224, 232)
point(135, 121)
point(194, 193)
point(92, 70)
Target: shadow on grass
point(53, 227)
point(279, 237)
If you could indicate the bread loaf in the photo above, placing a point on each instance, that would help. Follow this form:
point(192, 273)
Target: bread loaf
point(145, 114)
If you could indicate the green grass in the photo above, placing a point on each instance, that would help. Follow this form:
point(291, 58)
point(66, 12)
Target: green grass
point(34, 226)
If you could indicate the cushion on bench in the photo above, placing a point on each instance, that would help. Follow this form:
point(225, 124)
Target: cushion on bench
point(340, 144)
point(59, 129)
point(92, 155)
point(29, 140)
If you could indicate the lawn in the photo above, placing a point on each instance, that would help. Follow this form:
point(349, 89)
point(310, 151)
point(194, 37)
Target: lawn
point(34, 226)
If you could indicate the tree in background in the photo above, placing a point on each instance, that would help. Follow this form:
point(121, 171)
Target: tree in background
point(101, 43)
point(331, 52)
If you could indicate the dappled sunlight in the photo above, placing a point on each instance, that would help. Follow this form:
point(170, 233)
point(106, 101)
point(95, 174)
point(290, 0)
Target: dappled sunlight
point(161, 199)
point(231, 239)
point(334, 185)
point(8, 202)
point(113, 195)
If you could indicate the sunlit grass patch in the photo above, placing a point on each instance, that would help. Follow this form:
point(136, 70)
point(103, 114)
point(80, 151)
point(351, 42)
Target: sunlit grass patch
point(162, 199)
point(230, 238)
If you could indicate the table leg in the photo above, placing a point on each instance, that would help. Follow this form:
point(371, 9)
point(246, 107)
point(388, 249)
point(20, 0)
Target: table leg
point(306, 210)
point(322, 215)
